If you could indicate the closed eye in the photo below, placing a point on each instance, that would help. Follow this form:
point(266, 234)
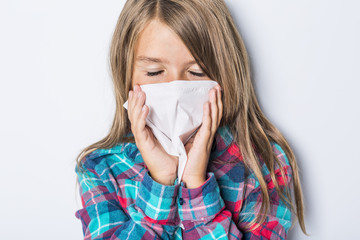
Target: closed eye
point(154, 73)
point(151, 74)
point(197, 74)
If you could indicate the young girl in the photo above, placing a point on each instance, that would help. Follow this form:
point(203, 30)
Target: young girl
point(240, 174)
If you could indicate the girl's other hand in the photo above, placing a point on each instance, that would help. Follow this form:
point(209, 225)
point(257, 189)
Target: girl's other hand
point(162, 166)
point(198, 148)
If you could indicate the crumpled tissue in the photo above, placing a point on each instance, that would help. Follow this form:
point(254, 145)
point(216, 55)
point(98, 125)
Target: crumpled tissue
point(175, 113)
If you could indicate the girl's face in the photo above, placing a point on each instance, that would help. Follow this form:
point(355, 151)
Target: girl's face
point(161, 56)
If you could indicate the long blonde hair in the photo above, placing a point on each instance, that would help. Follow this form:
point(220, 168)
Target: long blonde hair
point(207, 28)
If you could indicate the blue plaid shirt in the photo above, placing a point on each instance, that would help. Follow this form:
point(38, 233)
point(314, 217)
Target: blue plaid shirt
point(120, 200)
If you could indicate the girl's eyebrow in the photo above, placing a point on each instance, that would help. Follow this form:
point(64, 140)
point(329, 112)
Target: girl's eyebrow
point(158, 60)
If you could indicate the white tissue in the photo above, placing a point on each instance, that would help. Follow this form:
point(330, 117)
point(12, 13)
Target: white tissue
point(176, 112)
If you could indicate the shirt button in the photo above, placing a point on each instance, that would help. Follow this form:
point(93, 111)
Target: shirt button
point(181, 201)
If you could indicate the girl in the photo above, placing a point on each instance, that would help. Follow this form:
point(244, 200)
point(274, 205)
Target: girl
point(240, 173)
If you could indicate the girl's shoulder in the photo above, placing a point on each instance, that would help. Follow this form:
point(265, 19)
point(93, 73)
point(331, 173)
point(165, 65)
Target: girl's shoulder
point(280, 154)
point(283, 164)
point(232, 169)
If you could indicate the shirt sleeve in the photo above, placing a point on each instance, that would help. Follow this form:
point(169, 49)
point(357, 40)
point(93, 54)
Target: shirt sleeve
point(153, 215)
point(204, 214)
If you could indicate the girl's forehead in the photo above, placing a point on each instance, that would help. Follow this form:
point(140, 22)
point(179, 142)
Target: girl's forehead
point(158, 43)
point(146, 60)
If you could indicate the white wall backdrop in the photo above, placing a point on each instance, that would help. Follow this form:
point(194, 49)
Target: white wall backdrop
point(56, 98)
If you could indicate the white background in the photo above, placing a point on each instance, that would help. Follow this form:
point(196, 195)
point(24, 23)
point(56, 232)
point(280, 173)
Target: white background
point(56, 98)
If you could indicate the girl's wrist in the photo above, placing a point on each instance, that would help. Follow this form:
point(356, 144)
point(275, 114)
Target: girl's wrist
point(168, 180)
point(193, 181)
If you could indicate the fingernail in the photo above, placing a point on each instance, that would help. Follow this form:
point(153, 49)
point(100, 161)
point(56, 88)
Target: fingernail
point(130, 94)
point(139, 94)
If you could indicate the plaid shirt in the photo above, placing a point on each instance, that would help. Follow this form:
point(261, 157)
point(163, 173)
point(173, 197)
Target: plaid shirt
point(120, 200)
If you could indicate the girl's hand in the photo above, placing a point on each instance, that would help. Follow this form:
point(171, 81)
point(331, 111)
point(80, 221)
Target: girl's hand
point(162, 166)
point(198, 148)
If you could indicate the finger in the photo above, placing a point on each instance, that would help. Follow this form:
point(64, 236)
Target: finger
point(133, 99)
point(139, 107)
point(206, 123)
point(133, 108)
point(135, 96)
point(142, 120)
point(220, 104)
point(131, 93)
point(214, 110)
point(139, 97)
